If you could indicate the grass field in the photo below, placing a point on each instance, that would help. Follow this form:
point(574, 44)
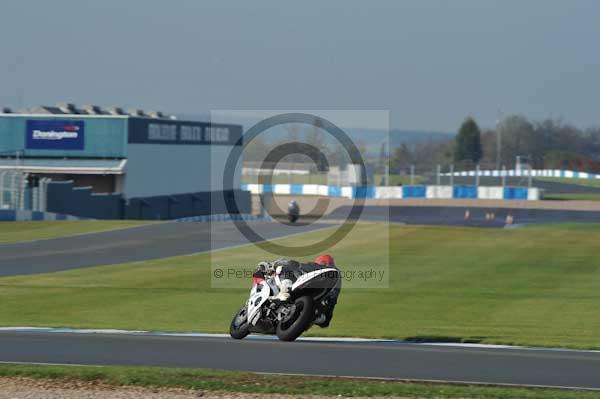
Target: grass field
point(229, 381)
point(572, 196)
point(28, 231)
point(566, 180)
point(531, 286)
point(398, 180)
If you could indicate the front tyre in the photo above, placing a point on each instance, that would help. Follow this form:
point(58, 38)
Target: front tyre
point(239, 327)
point(293, 326)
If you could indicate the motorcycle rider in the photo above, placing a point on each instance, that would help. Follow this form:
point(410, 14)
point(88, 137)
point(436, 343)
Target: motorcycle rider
point(293, 211)
point(285, 271)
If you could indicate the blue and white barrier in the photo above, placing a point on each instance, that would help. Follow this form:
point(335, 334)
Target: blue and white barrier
point(570, 174)
point(399, 192)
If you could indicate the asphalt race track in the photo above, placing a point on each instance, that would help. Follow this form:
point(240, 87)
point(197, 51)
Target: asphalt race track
point(396, 360)
point(163, 240)
point(455, 216)
point(153, 241)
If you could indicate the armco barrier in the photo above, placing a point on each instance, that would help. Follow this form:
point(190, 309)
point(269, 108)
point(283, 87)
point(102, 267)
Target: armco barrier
point(533, 194)
point(442, 192)
point(414, 191)
point(519, 193)
point(490, 192)
point(388, 192)
point(363, 192)
point(399, 192)
point(464, 192)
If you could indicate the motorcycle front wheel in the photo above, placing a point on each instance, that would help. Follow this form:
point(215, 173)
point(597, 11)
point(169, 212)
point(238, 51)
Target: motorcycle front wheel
point(293, 326)
point(239, 327)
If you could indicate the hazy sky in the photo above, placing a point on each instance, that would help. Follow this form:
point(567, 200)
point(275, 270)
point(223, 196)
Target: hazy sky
point(430, 63)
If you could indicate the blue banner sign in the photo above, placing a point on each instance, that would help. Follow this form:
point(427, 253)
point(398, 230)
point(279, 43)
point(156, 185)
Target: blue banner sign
point(54, 135)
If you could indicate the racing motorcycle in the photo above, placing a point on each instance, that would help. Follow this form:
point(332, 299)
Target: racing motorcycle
point(311, 296)
point(293, 211)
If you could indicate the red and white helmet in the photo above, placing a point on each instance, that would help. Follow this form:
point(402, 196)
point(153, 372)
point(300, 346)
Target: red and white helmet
point(325, 260)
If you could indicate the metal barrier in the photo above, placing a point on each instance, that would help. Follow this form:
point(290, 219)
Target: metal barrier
point(17, 194)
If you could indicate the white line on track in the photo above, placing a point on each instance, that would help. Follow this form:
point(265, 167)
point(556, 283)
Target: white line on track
point(48, 330)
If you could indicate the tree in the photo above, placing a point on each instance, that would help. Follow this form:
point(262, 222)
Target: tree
point(519, 137)
point(467, 146)
point(401, 159)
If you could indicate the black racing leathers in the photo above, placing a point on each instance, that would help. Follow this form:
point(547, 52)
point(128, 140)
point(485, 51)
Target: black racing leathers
point(292, 270)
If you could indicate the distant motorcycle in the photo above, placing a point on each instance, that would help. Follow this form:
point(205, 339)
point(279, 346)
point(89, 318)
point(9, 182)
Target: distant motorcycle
point(308, 303)
point(293, 211)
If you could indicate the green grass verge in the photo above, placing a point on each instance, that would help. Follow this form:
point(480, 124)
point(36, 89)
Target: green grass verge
point(39, 230)
point(398, 180)
point(214, 380)
point(531, 286)
point(572, 196)
point(566, 180)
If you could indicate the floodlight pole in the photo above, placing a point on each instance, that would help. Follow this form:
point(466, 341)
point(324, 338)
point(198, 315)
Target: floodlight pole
point(2, 189)
point(498, 140)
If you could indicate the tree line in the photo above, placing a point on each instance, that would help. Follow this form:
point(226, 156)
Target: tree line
point(546, 144)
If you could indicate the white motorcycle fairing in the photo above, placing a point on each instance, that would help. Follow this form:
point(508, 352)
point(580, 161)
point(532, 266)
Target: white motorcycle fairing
point(309, 276)
point(258, 295)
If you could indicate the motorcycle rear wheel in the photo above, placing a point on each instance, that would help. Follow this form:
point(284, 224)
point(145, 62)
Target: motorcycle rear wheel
point(291, 329)
point(239, 329)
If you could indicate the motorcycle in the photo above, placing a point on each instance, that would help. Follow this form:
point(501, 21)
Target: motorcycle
point(293, 211)
point(311, 296)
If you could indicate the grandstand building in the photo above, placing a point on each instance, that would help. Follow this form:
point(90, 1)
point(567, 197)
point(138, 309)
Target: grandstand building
point(134, 154)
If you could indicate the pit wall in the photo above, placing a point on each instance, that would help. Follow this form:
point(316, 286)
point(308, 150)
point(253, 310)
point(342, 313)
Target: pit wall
point(399, 192)
point(64, 198)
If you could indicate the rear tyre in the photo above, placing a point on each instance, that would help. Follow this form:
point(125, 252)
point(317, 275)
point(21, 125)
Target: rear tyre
point(299, 321)
point(239, 327)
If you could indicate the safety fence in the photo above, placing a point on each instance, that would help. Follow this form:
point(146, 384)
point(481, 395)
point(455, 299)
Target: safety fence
point(399, 192)
point(17, 192)
point(569, 174)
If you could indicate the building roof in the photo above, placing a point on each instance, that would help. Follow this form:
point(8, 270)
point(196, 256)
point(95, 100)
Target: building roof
point(63, 108)
point(65, 166)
